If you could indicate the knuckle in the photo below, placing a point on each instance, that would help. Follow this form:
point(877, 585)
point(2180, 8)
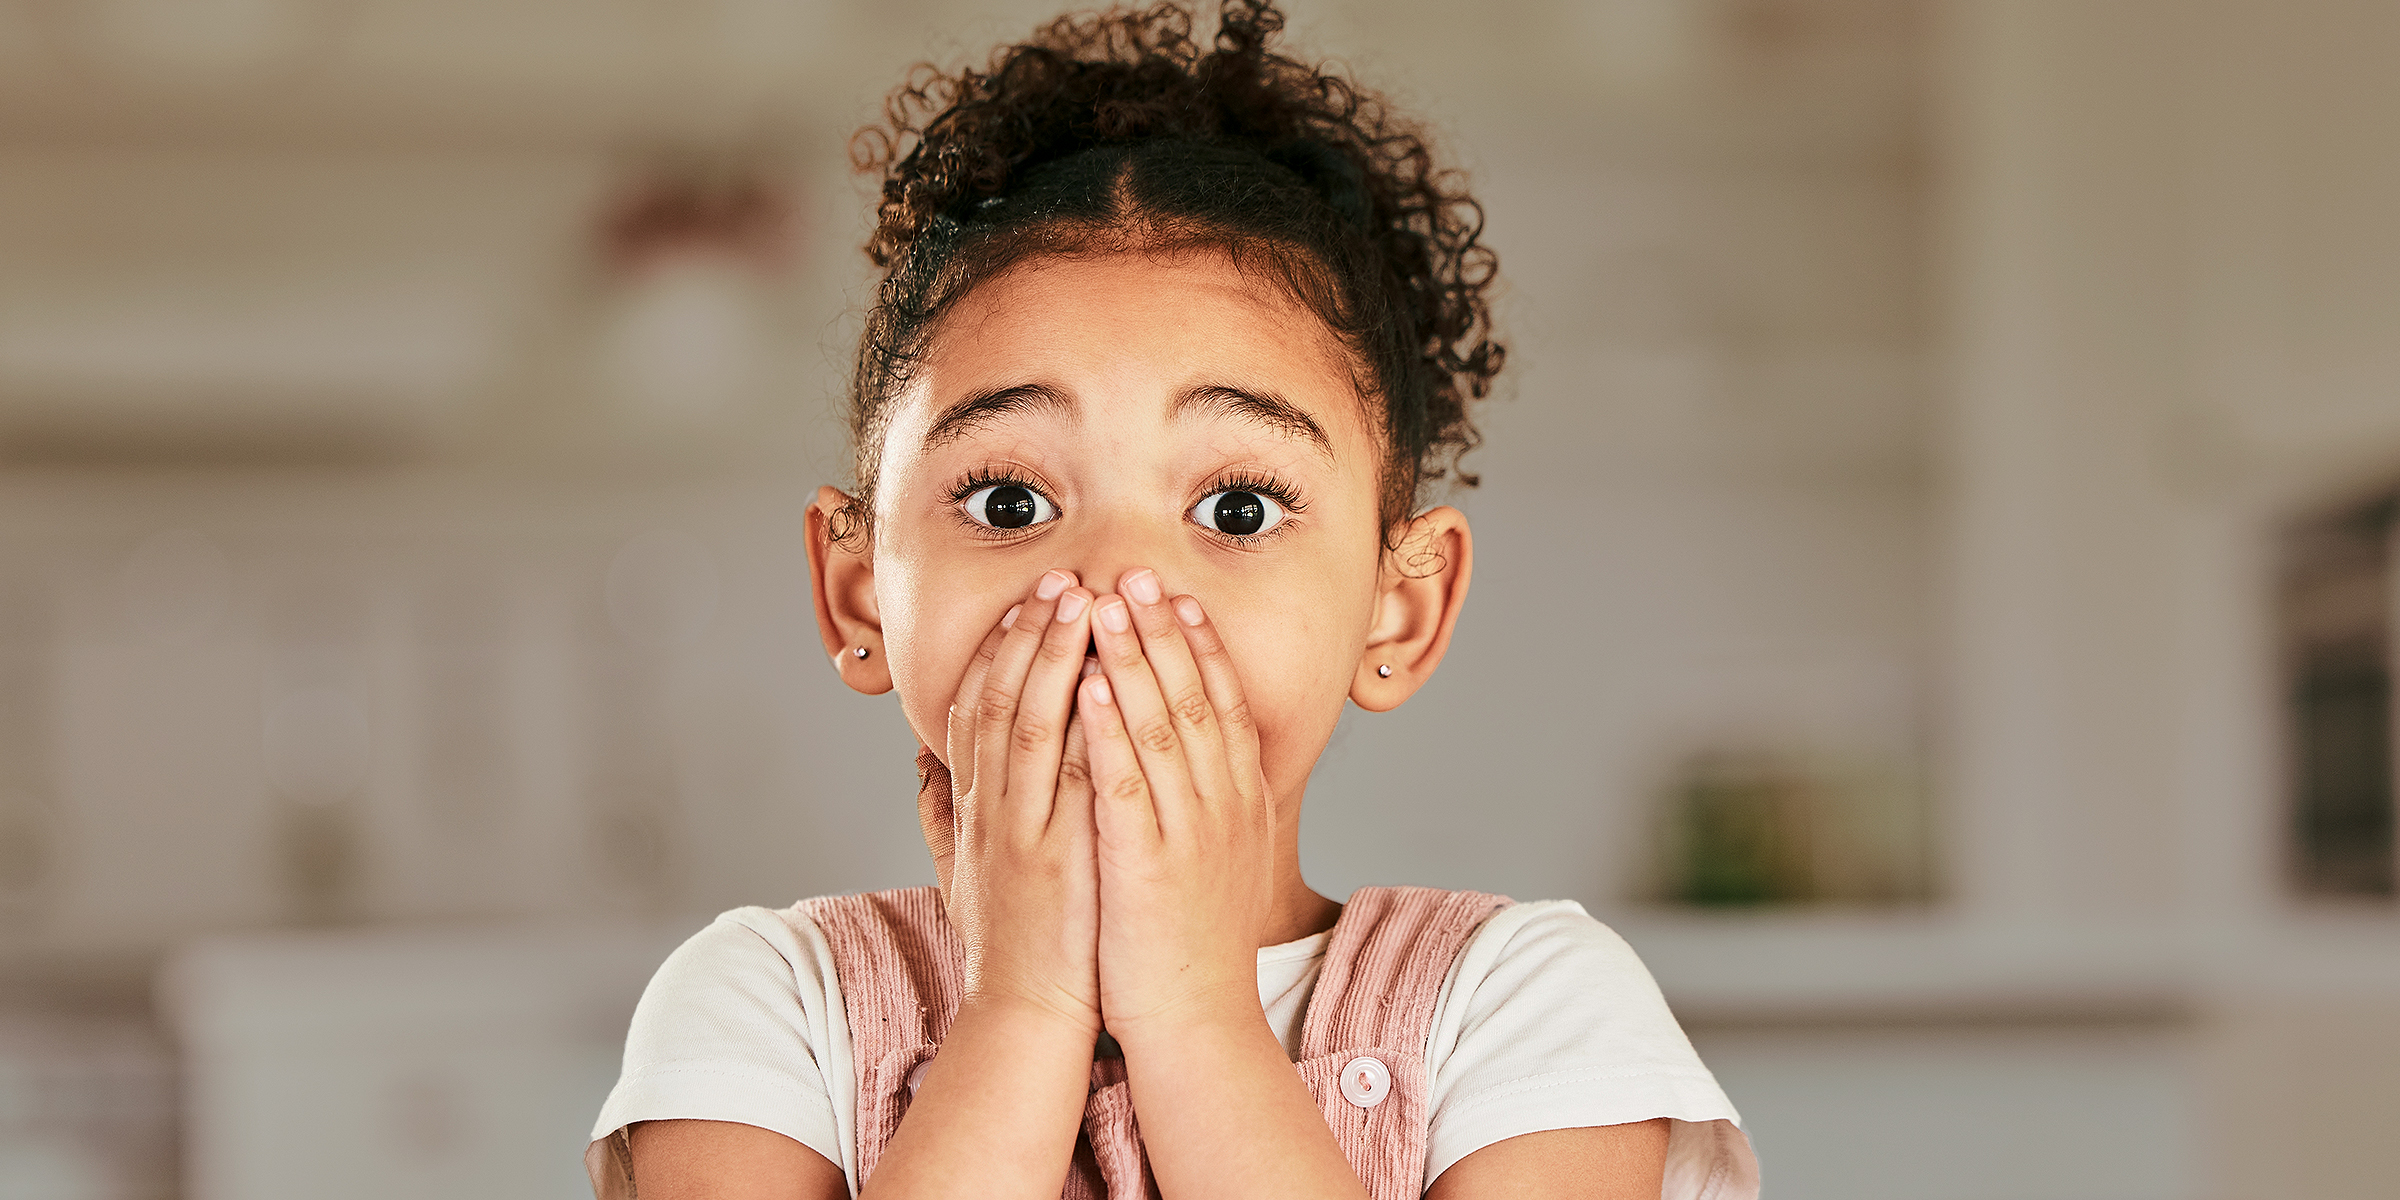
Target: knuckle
point(996, 713)
point(1236, 718)
point(1156, 736)
point(1075, 771)
point(1191, 707)
point(1128, 787)
point(1030, 735)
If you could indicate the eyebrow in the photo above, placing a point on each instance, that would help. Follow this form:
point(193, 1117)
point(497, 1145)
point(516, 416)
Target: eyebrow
point(982, 408)
point(1264, 408)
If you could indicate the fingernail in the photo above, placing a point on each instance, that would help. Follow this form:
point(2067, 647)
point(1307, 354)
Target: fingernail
point(1091, 666)
point(1053, 582)
point(1071, 606)
point(1188, 610)
point(1142, 585)
point(1114, 615)
point(1010, 621)
point(1099, 689)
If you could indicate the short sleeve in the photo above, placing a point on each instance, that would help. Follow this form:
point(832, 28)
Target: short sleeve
point(742, 1023)
point(1550, 1021)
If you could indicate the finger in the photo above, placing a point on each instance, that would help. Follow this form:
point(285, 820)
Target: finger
point(1143, 711)
point(956, 744)
point(1071, 817)
point(1188, 703)
point(969, 715)
point(1122, 808)
point(1037, 741)
point(1003, 693)
point(1073, 805)
point(936, 816)
point(1236, 724)
point(1075, 765)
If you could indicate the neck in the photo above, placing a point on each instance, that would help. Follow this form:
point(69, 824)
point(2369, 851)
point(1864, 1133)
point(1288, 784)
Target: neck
point(1299, 910)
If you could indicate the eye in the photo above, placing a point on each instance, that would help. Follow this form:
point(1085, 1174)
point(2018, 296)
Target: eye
point(1008, 506)
point(1237, 513)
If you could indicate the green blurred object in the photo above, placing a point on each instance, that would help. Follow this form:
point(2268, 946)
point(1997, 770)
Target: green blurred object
point(1754, 828)
point(1744, 831)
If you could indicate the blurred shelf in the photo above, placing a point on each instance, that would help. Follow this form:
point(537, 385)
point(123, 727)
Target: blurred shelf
point(1792, 80)
point(1871, 968)
point(403, 1061)
point(395, 984)
point(87, 1081)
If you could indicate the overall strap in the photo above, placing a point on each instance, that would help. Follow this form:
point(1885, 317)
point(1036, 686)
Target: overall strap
point(1110, 1163)
point(1362, 1041)
point(897, 962)
point(1384, 968)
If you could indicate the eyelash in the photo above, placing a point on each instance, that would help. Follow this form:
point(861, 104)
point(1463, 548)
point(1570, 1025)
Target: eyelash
point(980, 478)
point(1238, 481)
point(983, 477)
point(1263, 485)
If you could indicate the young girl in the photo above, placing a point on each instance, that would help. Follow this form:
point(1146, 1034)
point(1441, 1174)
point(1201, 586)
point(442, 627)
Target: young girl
point(1169, 348)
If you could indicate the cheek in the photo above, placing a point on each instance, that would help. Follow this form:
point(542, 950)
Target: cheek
point(928, 643)
point(1296, 670)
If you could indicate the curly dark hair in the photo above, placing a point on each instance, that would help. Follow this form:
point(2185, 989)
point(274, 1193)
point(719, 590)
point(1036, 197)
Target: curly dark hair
point(1113, 131)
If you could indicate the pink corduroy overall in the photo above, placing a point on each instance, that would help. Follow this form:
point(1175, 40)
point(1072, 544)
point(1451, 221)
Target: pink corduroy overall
point(1362, 1042)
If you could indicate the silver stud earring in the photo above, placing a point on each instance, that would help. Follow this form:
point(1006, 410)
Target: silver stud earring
point(1384, 670)
point(860, 652)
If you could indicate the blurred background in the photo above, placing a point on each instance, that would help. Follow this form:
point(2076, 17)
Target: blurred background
point(1934, 588)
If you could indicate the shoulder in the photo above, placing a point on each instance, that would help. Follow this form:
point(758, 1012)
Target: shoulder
point(751, 978)
point(791, 950)
point(1548, 967)
point(1545, 940)
point(744, 948)
point(755, 931)
point(742, 1023)
point(1549, 1020)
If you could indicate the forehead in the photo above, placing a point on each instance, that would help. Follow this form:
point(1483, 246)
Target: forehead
point(1126, 329)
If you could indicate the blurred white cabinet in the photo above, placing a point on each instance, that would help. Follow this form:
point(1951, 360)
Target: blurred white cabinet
point(1967, 1111)
point(401, 1064)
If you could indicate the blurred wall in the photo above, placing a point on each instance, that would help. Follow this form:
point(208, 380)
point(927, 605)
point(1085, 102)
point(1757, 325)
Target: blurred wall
point(322, 384)
point(399, 538)
point(2164, 251)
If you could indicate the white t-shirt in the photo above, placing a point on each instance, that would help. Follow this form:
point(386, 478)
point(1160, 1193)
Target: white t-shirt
point(1547, 1021)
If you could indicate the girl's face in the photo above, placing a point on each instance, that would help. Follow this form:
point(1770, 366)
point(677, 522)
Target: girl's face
point(1125, 395)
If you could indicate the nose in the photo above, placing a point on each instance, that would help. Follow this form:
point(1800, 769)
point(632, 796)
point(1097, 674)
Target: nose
point(1107, 550)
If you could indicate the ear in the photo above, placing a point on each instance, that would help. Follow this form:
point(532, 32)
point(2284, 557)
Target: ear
point(1422, 585)
point(841, 576)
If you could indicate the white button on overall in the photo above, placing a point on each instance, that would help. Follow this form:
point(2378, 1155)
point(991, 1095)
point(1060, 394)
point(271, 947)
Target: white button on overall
point(916, 1076)
point(1365, 1082)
